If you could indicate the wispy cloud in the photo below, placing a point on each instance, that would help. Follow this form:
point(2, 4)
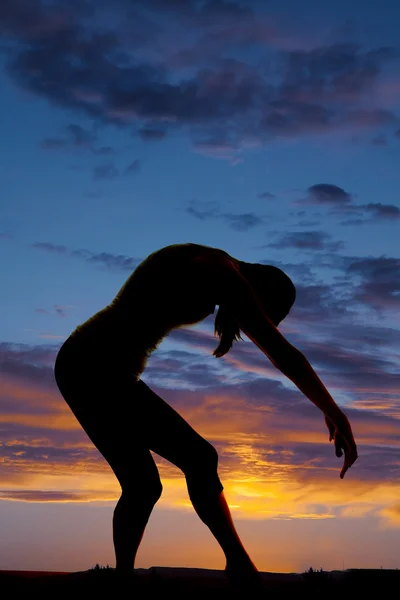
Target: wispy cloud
point(272, 442)
point(204, 211)
point(105, 259)
point(307, 240)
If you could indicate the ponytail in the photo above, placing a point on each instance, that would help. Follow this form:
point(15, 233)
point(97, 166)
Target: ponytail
point(227, 330)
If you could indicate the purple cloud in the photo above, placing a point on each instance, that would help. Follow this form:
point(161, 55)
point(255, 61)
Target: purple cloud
point(380, 282)
point(194, 82)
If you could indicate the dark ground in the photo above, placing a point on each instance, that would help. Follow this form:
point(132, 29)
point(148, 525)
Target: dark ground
point(163, 582)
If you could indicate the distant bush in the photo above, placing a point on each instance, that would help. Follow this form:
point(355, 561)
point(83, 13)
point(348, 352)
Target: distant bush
point(315, 574)
point(98, 567)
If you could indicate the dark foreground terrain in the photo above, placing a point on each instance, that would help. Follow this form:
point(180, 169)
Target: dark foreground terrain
point(164, 582)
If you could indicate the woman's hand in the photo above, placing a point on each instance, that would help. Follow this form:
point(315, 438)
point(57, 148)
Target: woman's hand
point(342, 436)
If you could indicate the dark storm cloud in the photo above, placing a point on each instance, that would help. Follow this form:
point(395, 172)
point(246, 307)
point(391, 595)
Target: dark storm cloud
point(110, 261)
point(112, 77)
point(307, 240)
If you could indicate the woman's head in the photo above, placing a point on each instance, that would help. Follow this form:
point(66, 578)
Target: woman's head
point(275, 291)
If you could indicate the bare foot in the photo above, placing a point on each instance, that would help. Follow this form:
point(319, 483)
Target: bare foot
point(243, 574)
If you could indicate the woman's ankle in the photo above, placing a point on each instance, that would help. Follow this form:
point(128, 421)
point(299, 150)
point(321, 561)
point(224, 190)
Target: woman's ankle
point(241, 566)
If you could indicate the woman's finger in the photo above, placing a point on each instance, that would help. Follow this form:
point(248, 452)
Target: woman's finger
point(339, 445)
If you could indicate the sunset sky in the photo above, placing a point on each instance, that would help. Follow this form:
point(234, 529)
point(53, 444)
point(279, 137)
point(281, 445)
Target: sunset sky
point(270, 129)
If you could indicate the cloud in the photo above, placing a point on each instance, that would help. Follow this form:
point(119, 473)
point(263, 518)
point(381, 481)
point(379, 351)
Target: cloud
point(327, 193)
point(342, 203)
point(204, 211)
point(76, 137)
point(379, 286)
point(242, 222)
point(149, 134)
point(48, 496)
point(262, 428)
point(180, 73)
point(107, 171)
point(382, 211)
point(60, 311)
point(379, 140)
point(106, 259)
point(266, 196)
point(306, 240)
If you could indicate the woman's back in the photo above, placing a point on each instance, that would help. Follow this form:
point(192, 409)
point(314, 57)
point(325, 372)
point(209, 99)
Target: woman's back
point(169, 289)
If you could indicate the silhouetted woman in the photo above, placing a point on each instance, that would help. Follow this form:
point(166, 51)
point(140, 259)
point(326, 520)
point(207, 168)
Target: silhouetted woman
point(98, 371)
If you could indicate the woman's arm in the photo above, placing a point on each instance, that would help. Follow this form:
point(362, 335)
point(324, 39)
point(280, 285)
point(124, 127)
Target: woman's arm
point(237, 293)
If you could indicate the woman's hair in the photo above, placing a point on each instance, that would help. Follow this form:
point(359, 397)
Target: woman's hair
point(275, 291)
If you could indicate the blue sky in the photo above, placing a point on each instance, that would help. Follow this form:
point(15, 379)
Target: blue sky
point(268, 129)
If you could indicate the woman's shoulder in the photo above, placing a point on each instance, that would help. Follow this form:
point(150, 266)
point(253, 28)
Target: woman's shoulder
point(185, 251)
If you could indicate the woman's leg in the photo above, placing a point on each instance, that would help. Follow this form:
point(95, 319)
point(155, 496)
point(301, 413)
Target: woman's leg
point(103, 401)
point(170, 436)
point(133, 509)
point(125, 419)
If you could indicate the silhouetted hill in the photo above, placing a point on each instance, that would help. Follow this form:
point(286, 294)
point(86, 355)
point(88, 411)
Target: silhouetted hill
point(188, 583)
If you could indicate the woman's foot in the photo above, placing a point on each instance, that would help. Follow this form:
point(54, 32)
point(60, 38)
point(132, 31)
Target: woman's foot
point(243, 575)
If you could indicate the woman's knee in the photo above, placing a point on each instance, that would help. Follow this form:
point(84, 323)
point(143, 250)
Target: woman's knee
point(203, 458)
point(145, 490)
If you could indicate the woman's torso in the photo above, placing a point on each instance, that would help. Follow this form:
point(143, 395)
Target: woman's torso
point(169, 289)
